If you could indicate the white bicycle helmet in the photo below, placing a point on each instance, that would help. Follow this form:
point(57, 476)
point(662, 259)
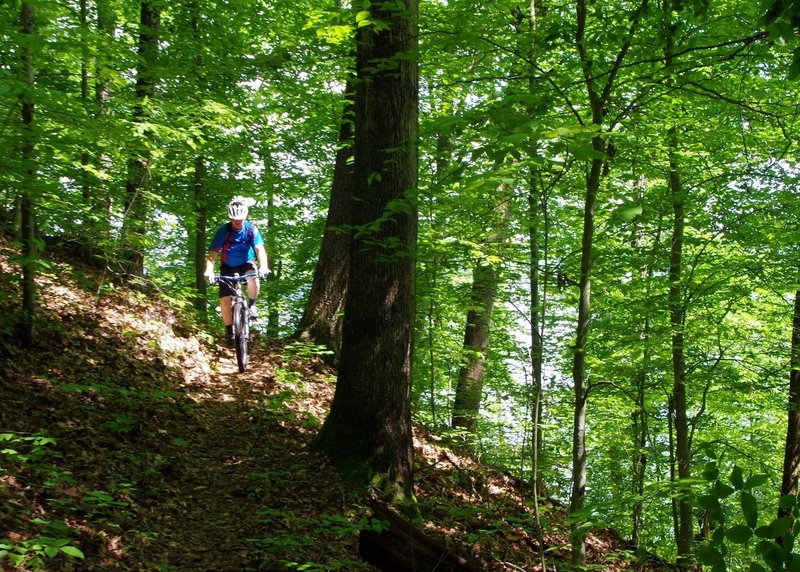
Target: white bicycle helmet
point(237, 208)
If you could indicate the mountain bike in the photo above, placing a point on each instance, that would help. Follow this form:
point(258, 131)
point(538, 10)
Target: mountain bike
point(241, 316)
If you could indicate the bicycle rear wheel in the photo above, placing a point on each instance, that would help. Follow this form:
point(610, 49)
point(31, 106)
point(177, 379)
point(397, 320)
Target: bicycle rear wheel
point(241, 333)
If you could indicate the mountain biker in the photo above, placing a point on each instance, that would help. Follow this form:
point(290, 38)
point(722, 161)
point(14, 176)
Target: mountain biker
point(239, 244)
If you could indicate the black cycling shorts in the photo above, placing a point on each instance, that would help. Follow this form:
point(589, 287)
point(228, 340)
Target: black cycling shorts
point(227, 288)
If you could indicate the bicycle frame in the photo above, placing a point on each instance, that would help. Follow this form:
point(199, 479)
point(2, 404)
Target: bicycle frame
point(241, 316)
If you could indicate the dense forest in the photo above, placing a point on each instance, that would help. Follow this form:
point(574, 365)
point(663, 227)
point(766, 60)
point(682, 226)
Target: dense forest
point(561, 237)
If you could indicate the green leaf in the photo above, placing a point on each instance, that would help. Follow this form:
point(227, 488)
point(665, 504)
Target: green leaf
point(51, 551)
point(708, 502)
point(739, 534)
point(72, 551)
point(627, 212)
point(787, 501)
point(722, 490)
point(709, 555)
point(772, 554)
point(755, 481)
point(710, 471)
point(737, 479)
point(749, 509)
point(774, 529)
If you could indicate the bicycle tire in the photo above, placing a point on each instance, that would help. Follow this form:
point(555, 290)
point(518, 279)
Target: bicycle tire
point(240, 332)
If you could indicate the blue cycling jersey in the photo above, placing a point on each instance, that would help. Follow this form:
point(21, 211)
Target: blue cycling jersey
point(237, 247)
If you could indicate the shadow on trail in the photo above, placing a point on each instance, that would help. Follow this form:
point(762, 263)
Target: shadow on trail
point(248, 494)
point(130, 443)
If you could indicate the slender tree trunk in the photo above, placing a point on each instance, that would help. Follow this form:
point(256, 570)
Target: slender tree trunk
point(273, 313)
point(99, 201)
point(527, 26)
point(469, 389)
point(537, 225)
point(442, 161)
point(536, 212)
point(640, 441)
point(597, 102)
point(324, 311)
point(134, 228)
point(199, 246)
point(86, 180)
point(791, 456)
point(683, 535)
point(640, 418)
point(368, 430)
point(580, 386)
point(200, 240)
point(27, 218)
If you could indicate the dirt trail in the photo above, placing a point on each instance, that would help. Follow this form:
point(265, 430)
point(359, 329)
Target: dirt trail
point(246, 493)
point(161, 455)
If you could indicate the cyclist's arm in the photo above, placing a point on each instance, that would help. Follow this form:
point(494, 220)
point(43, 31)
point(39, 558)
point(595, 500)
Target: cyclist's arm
point(263, 262)
point(210, 259)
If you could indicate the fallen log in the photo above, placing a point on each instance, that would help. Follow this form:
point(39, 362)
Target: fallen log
point(404, 547)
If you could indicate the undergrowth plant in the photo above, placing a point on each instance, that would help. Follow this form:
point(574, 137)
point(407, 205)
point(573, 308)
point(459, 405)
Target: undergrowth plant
point(33, 553)
point(740, 538)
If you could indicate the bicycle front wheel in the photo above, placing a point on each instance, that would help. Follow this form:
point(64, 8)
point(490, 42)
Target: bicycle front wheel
point(241, 333)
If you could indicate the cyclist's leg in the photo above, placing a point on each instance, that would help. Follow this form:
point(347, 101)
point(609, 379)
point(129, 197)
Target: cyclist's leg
point(253, 283)
point(225, 306)
point(226, 291)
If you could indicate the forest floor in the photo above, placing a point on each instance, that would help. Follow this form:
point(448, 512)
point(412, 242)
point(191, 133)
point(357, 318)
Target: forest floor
point(130, 441)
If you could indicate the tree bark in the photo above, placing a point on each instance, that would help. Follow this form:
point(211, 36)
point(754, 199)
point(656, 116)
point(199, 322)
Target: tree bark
point(791, 456)
point(27, 218)
point(469, 388)
point(597, 103)
point(683, 536)
point(403, 547)
point(368, 430)
point(677, 310)
point(134, 229)
point(199, 222)
point(200, 241)
point(324, 311)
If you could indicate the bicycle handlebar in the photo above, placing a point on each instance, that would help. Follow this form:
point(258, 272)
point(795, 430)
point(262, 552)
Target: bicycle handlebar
point(233, 279)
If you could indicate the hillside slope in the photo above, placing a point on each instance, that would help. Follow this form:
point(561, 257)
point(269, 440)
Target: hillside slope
point(131, 442)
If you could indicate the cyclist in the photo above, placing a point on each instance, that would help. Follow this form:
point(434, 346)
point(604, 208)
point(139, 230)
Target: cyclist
point(239, 245)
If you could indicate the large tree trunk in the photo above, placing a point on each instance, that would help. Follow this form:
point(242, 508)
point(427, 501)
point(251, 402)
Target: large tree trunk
point(134, 229)
point(323, 315)
point(27, 226)
point(368, 430)
point(791, 456)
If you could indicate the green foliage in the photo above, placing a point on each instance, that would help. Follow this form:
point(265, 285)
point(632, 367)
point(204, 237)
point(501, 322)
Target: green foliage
point(26, 448)
point(34, 553)
point(305, 350)
point(257, 95)
point(741, 537)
